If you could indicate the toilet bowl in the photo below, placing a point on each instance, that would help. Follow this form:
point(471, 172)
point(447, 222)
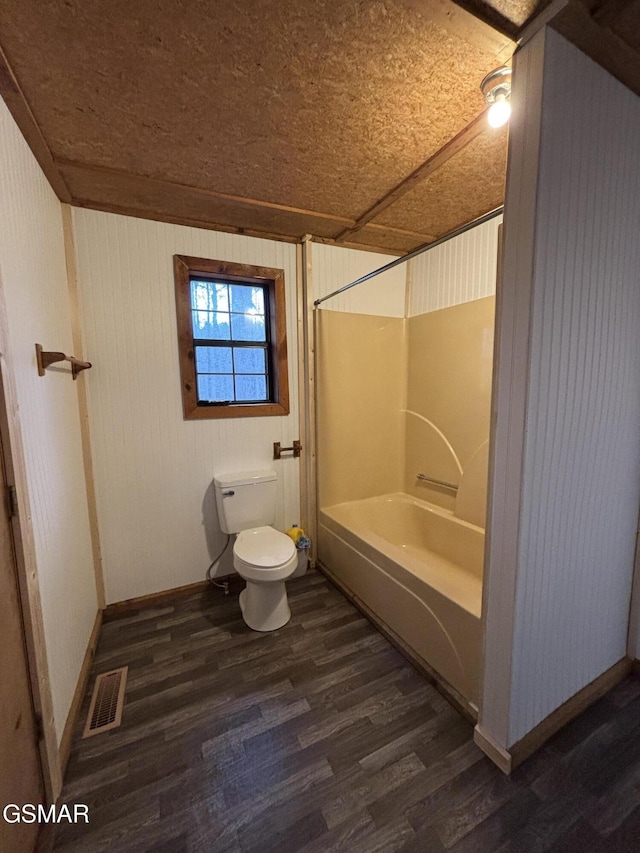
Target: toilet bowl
point(265, 559)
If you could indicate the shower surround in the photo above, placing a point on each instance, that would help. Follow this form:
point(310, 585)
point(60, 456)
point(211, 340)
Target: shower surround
point(398, 397)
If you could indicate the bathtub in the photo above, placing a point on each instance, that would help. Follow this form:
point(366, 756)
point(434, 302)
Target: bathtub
point(418, 569)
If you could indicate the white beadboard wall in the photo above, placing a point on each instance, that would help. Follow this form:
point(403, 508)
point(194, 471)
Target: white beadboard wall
point(460, 270)
point(34, 279)
point(154, 470)
point(581, 475)
point(334, 266)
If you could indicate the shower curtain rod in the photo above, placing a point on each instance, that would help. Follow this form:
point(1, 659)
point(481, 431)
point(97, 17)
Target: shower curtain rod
point(456, 233)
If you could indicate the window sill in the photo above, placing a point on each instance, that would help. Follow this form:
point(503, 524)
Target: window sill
point(260, 410)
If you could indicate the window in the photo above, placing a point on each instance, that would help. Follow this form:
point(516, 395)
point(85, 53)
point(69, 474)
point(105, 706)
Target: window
point(231, 339)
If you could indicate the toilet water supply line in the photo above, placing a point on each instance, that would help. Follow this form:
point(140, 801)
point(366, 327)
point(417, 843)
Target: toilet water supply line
point(220, 584)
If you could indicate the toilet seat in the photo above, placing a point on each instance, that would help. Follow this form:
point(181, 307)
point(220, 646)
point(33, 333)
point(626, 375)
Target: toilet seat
point(264, 547)
point(264, 555)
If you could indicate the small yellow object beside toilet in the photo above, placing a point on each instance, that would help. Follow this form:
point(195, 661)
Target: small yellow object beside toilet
point(295, 533)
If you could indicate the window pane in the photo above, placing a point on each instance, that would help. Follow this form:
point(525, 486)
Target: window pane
point(251, 387)
point(247, 327)
point(246, 299)
point(214, 360)
point(249, 359)
point(209, 295)
point(207, 324)
point(214, 389)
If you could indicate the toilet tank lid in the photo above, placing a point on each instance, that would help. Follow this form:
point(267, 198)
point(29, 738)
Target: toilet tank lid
point(243, 478)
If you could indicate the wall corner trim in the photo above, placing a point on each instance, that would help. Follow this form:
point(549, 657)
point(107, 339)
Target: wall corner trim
point(23, 116)
point(500, 756)
point(83, 406)
point(66, 741)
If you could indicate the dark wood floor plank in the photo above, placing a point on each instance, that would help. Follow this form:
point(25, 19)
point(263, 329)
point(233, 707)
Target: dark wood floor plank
point(594, 764)
point(322, 737)
point(424, 784)
point(366, 788)
point(625, 838)
point(618, 802)
point(549, 821)
point(356, 827)
point(273, 820)
point(288, 839)
point(419, 728)
point(499, 827)
point(389, 839)
point(456, 808)
point(582, 837)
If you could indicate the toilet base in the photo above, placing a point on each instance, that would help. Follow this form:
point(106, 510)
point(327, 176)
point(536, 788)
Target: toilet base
point(264, 606)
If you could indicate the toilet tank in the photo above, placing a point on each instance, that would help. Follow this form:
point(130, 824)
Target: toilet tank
point(245, 499)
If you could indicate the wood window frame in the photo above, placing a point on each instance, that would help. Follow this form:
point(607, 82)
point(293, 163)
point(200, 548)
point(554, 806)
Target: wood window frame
point(185, 267)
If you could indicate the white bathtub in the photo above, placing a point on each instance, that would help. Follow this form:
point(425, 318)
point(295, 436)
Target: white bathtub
point(419, 569)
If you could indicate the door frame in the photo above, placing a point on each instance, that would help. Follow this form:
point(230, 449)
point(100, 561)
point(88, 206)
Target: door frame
point(26, 568)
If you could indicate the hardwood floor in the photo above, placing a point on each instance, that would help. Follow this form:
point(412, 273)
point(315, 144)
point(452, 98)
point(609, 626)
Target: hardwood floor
point(321, 737)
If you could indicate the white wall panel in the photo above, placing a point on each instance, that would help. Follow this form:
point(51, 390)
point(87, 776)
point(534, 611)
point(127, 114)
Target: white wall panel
point(509, 395)
point(581, 471)
point(154, 470)
point(333, 267)
point(460, 270)
point(34, 279)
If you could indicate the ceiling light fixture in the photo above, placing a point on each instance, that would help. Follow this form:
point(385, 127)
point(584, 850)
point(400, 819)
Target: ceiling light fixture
point(496, 87)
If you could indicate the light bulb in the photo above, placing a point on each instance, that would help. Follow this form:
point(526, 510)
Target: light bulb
point(499, 112)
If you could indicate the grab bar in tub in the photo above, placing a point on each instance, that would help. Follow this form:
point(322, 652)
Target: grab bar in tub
point(442, 483)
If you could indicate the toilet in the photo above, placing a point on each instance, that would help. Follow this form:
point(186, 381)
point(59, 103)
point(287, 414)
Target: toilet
point(263, 556)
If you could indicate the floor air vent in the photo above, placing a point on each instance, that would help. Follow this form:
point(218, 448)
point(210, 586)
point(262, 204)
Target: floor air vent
point(105, 711)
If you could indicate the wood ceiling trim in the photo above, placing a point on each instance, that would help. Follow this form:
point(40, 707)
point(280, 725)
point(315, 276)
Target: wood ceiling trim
point(537, 23)
point(605, 47)
point(436, 161)
point(364, 247)
point(490, 16)
point(131, 179)
point(175, 185)
point(21, 111)
point(402, 232)
point(228, 229)
point(144, 213)
point(467, 186)
point(392, 243)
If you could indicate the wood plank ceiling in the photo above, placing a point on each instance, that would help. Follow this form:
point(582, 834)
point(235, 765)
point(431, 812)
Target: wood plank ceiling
point(353, 121)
